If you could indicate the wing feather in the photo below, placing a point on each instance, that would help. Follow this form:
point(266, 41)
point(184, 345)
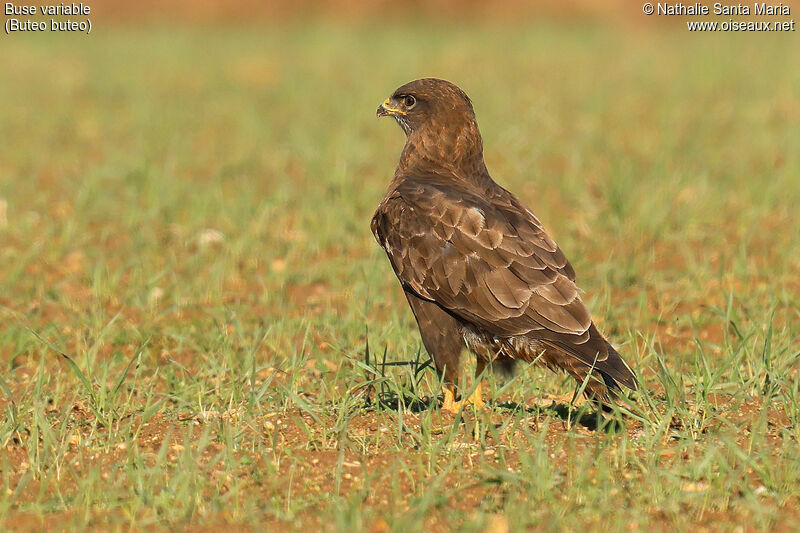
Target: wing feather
point(488, 262)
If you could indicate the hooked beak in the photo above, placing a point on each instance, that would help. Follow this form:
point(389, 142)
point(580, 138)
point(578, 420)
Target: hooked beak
point(386, 109)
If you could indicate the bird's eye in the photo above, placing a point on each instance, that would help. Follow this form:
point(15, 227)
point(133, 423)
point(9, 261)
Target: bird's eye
point(409, 101)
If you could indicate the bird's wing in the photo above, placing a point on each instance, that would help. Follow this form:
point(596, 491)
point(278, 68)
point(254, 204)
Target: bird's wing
point(506, 201)
point(488, 263)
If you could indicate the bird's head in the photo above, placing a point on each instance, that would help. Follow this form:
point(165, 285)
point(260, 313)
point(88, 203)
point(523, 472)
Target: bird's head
point(427, 103)
point(438, 119)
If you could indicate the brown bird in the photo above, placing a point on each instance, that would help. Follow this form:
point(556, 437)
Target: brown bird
point(476, 265)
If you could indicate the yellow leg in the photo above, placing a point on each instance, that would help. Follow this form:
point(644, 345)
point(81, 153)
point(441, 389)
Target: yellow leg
point(450, 403)
point(476, 399)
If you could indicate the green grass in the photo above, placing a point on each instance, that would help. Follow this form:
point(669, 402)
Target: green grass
point(204, 383)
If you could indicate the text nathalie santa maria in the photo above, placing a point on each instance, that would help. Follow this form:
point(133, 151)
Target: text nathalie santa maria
point(698, 8)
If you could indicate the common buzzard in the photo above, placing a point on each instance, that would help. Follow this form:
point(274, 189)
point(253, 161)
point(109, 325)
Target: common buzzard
point(477, 267)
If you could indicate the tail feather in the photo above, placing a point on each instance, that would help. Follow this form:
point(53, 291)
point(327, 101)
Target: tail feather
point(615, 369)
point(611, 368)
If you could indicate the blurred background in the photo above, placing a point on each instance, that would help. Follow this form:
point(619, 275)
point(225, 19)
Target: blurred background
point(348, 9)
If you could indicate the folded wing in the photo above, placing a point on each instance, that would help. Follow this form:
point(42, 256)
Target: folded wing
point(489, 262)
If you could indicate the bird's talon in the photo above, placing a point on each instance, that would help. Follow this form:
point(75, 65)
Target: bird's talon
point(454, 406)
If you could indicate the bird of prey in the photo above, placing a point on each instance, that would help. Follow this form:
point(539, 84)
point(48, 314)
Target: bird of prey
point(476, 265)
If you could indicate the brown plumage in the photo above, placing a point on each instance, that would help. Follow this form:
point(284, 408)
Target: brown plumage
point(476, 265)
